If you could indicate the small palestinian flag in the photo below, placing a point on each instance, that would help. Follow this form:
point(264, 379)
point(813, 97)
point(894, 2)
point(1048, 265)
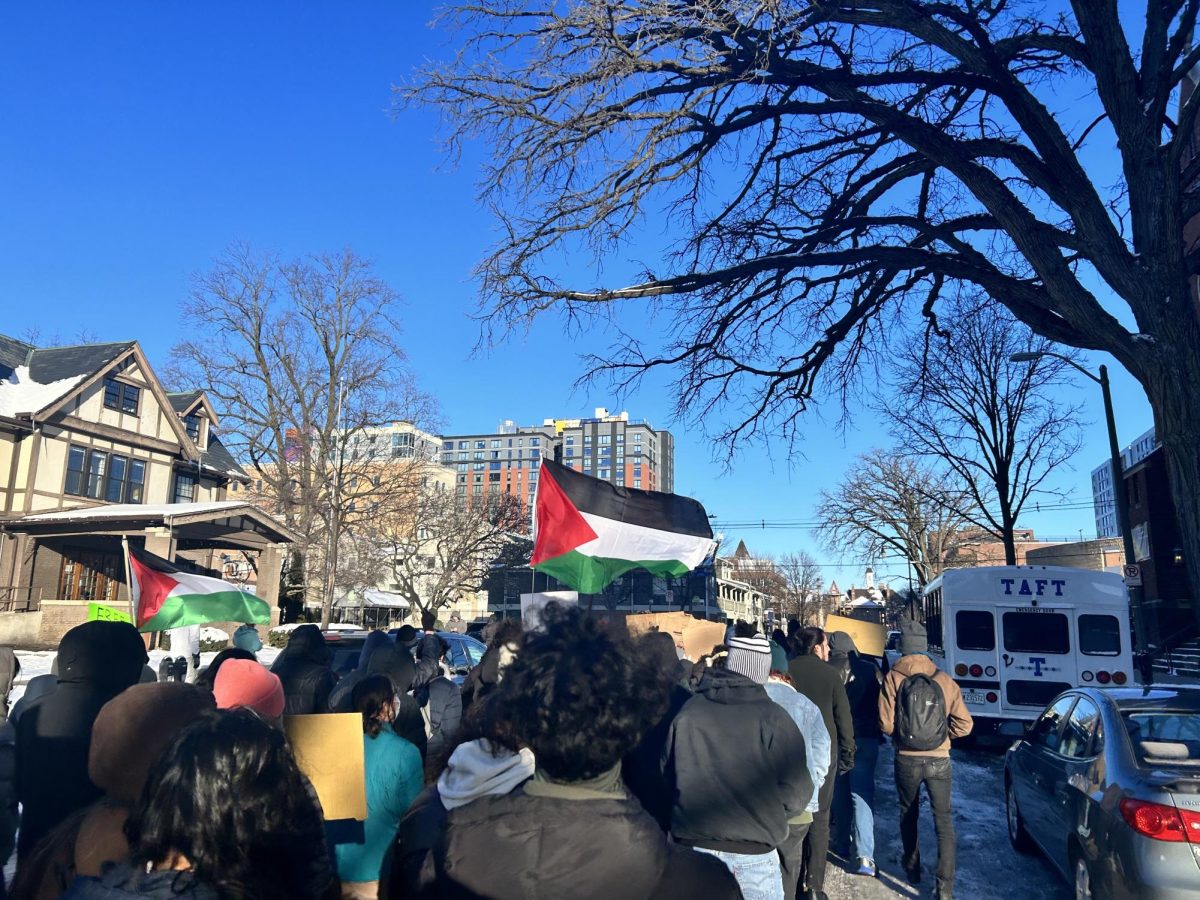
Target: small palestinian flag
point(167, 597)
point(588, 532)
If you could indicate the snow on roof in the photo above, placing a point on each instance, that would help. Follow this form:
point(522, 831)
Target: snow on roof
point(135, 511)
point(19, 393)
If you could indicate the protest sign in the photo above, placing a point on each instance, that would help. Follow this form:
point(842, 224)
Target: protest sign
point(531, 606)
point(98, 612)
point(869, 637)
point(329, 751)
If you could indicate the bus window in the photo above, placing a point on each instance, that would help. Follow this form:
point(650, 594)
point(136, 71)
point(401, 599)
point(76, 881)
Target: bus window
point(1036, 633)
point(976, 630)
point(1099, 635)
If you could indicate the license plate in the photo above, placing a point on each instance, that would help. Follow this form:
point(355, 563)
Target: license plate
point(974, 697)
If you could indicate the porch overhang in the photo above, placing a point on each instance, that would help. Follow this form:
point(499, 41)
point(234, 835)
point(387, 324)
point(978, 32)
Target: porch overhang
point(225, 524)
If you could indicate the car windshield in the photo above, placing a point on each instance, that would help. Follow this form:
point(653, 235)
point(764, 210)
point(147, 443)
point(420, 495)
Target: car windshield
point(1164, 737)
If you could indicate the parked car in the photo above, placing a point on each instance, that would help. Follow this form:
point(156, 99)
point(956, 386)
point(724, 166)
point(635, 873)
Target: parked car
point(465, 652)
point(891, 650)
point(1106, 783)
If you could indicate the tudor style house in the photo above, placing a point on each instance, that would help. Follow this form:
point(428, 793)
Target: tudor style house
point(93, 450)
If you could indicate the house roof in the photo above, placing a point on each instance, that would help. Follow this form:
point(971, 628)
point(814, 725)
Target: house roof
point(181, 401)
point(33, 378)
point(218, 457)
point(58, 363)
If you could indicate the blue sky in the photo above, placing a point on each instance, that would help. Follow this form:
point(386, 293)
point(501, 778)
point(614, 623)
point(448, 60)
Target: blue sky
point(140, 139)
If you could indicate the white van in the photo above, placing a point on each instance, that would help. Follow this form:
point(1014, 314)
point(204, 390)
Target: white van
point(1014, 637)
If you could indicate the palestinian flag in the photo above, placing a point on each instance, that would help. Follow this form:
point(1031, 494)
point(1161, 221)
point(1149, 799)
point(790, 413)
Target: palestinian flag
point(168, 597)
point(588, 532)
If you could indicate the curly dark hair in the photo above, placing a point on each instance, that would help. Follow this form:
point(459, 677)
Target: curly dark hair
point(505, 631)
point(577, 696)
point(227, 795)
point(369, 697)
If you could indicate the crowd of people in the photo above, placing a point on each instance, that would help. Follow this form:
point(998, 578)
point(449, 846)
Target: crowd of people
point(573, 761)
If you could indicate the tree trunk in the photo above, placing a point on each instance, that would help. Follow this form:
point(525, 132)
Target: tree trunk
point(1176, 402)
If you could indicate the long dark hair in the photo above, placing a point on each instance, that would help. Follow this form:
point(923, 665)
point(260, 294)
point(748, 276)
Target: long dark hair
point(370, 697)
point(228, 796)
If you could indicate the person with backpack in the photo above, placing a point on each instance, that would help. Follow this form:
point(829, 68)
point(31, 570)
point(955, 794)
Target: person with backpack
point(922, 709)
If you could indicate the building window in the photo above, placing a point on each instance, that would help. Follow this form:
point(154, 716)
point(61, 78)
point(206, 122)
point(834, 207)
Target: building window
point(495, 454)
point(535, 442)
point(494, 477)
point(477, 489)
point(89, 575)
point(620, 438)
point(569, 451)
point(185, 488)
point(192, 424)
point(121, 396)
point(478, 454)
point(462, 467)
point(605, 473)
point(479, 445)
point(637, 482)
point(637, 451)
point(605, 438)
point(637, 438)
point(496, 444)
point(94, 474)
point(462, 456)
point(447, 445)
point(97, 465)
point(125, 479)
point(569, 440)
point(76, 463)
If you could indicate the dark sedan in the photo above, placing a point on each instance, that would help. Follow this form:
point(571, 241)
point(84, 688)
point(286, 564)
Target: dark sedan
point(1106, 783)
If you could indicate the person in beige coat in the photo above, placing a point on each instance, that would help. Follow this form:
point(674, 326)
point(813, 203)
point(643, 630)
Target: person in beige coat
point(922, 709)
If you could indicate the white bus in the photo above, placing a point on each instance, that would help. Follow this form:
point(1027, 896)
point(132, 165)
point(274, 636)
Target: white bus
point(1014, 637)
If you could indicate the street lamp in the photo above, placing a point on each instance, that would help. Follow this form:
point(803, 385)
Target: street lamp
point(1120, 497)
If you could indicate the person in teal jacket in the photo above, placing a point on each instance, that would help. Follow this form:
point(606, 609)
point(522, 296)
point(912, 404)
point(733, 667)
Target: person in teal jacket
point(394, 778)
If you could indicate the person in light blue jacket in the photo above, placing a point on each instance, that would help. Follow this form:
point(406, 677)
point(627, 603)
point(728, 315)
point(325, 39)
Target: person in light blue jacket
point(394, 778)
point(818, 743)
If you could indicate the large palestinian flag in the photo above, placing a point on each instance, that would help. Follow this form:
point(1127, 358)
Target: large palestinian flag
point(587, 532)
point(167, 597)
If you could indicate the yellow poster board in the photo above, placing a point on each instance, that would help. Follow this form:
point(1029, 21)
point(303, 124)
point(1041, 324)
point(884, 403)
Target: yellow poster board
point(329, 751)
point(696, 636)
point(869, 637)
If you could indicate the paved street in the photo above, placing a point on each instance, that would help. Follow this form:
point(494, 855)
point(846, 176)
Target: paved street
point(988, 867)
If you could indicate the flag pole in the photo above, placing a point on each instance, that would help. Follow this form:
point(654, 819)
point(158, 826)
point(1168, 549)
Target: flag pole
point(129, 580)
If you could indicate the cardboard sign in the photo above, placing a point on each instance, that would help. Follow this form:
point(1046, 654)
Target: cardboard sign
point(696, 636)
point(869, 637)
point(532, 604)
point(98, 612)
point(329, 751)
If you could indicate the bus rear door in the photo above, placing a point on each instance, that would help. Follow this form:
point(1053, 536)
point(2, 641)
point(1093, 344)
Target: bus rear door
point(1037, 657)
point(973, 660)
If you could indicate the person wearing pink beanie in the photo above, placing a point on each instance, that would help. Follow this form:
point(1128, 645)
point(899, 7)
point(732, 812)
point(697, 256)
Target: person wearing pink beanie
point(243, 682)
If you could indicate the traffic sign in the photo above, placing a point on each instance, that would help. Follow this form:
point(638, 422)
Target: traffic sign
point(1133, 576)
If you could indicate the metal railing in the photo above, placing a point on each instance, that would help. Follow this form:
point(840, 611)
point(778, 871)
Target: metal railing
point(20, 598)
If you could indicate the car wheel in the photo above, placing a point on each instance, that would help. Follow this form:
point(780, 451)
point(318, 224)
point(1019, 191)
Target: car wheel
point(1083, 880)
point(1017, 835)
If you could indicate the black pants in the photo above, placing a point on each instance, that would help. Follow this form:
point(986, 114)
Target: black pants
point(791, 859)
point(934, 773)
point(816, 844)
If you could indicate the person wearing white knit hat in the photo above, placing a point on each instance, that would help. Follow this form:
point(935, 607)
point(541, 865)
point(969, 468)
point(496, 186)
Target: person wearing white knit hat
point(750, 656)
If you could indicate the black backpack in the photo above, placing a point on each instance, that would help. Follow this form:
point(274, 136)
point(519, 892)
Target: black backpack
point(921, 722)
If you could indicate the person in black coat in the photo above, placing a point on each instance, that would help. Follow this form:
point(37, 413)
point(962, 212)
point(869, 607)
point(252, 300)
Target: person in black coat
point(642, 766)
point(736, 766)
point(304, 669)
point(96, 661)
point(574, 697)
point(438, 697)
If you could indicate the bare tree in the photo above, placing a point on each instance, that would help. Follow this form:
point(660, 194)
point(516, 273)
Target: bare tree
point(803, 585)
point(891, 503)
point(443, 547)
point(302, 360)
point(834, 166)
point(1001, 427)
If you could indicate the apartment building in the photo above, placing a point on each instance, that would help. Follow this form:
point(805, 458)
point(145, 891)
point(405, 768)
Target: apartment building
point(627, 452)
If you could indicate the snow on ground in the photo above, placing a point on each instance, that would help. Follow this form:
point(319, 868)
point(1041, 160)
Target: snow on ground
point(988, 867)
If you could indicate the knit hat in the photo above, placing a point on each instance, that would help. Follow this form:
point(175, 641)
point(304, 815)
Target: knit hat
point(134, 728)
point(243, 682)
point(750, 656)
point(912, 637)
point(779, 659)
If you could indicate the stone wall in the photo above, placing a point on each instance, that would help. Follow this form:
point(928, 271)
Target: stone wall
point(21, 629)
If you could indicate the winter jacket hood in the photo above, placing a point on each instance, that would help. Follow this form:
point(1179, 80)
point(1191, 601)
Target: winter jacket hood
point(517, 846)
point(397, 664)
point(958, 717)
point(108, 655)
point(306, 644)
point(376, 640)
point(476, 769)
point(841, 643)
point(737, 767)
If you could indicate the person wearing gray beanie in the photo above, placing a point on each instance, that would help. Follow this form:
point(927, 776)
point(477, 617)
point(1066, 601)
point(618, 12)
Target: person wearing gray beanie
point(750, 656)
point(913, 638)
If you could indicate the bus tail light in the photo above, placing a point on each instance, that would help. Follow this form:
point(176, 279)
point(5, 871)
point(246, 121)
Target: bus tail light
point(1087, 676)
point(976, 671)
point(960, 670)
point(992, 697)
point(1103, 677)
point(1154, 820)
point(990, 671)
point(1119, 678)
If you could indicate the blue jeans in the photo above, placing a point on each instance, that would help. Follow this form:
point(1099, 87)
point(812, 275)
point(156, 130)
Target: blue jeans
point(758, 875)
point(862, 795)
